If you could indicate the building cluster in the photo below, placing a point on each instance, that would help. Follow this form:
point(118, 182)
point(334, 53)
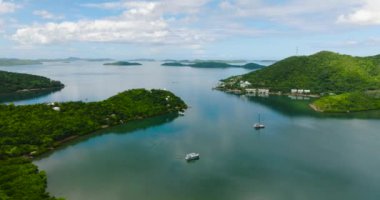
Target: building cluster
point(300, 91)
point(244, 84)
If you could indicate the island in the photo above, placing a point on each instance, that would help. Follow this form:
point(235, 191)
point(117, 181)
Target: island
point(31, 130)
point(13, 62)
point(212, 65)
point(342, 83)
point(11, 82)
point(123, 63)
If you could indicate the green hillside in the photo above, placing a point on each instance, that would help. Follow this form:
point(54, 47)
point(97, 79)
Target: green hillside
point(322, 73)
point(348, 102)
point(14, 82)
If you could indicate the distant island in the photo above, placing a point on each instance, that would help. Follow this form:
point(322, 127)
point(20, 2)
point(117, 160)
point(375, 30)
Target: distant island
point(213, 65)
point(30, 130)
point(342, 83)
point(123, 63)
point(13, 62)
point(202, 61)
point(11, 82)
point(143, 60)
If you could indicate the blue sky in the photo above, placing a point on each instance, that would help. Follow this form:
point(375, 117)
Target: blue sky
point(187, 29)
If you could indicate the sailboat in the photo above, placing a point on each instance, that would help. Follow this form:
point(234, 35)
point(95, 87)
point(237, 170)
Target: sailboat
point(259, 125)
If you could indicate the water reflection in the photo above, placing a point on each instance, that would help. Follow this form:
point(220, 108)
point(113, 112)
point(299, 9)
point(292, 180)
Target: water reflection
point(19, 96)
point(129, 127)
point(300, 108)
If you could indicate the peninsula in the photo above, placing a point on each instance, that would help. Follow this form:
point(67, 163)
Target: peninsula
point(30, 130)
point(344, 83)
point(213, 65)
point(17, 82)
point(123, 63)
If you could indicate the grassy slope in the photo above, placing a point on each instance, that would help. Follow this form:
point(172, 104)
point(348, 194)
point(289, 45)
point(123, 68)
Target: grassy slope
point(349, 102)
point(13, 82)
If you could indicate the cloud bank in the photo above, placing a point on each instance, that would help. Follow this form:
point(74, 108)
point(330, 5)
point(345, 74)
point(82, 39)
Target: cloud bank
point(7, 7)
point(141, 22)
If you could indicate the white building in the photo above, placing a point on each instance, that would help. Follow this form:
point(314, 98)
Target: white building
point(57, 108)
point(251, 90)
point(293, 91)
point(244, 84)
point(263, 91)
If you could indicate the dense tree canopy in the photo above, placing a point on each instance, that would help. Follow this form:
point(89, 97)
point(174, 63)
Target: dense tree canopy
point(13, 82)
point(29, 130)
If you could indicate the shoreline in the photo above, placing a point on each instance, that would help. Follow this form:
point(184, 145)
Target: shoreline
point(35, 90)
point(315, 108)
point(61, 143)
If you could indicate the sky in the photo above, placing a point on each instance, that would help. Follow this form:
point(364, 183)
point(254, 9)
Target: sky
point(187, 29)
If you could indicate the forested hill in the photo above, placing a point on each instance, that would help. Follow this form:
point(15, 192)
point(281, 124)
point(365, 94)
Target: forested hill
point(14, 82)
point(322, 72)
point(34, 129)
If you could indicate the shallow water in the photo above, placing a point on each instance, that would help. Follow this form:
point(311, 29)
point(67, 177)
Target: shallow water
point(299, 155)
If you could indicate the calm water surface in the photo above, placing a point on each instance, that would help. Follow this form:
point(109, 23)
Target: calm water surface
point(300, 155)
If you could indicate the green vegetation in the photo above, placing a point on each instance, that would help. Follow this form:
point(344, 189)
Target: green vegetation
point(213, 65)
point(30, 130)
point(16, 82)
point(123, 63)
point(252, 66)
point(20, 179)
point(12, 62)
point(322, 73)
point(175, 64)
point(348, 102)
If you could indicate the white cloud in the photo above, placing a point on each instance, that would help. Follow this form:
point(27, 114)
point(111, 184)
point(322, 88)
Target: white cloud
point(166, 6)
point(368, 13)
point(310, 15)
point(142, 22)
point(7, 7)
point(47, 15)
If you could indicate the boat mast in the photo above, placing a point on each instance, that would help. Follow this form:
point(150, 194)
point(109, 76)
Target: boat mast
point(259, 118)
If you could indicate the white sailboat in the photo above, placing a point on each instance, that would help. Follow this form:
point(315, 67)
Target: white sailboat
point(259, 125)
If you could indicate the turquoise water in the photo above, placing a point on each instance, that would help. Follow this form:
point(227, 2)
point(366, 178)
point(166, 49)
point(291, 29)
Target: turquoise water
point(299, 155)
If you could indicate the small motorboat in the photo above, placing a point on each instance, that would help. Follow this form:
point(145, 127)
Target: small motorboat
point(192, 156)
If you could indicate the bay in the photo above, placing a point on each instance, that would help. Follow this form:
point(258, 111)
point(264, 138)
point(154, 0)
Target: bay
point(299, 155)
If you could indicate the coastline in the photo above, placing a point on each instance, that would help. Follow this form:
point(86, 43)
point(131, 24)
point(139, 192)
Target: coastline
point(73, 138)
point(35, 90)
